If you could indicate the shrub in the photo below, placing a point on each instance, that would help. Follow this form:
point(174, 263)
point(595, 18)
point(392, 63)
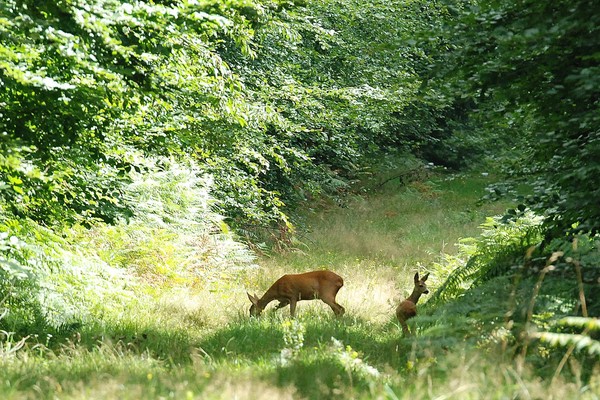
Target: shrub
point(499, 249)
point(47, 284)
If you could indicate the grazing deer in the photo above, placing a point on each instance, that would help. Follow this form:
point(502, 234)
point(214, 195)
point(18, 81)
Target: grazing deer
point(408, 308)
point(289, 289)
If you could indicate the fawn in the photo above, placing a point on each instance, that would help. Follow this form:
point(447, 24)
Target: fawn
point(408, 308)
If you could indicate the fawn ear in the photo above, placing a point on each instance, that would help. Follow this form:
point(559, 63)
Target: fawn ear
point(253, 299)
point(416, 277)
point(425, 277)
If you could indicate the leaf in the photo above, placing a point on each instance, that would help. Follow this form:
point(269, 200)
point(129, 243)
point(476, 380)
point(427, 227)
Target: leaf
point(581, 342)
point(15, 269)
point(588, 323)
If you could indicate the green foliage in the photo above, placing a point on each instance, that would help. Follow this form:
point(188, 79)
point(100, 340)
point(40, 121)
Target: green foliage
point(279, 102)
point(93, 87)
point(579, 342)
point(579, 256)
point(175, 234)
point(175, 237)
point(192, 338)
point(49, 285)
point(134, 135)
point(498, 251)
point(342, 96)
point(531, 70)
point(330, 364)
point(537, 290)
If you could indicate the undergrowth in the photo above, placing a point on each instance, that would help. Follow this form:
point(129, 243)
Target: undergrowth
point(509, 318)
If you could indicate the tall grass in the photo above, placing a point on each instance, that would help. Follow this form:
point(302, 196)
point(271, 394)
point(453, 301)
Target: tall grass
point(377, 242)
point(402, 225)
point(189, 338)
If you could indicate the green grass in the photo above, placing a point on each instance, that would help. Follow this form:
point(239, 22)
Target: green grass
point(197, 342)
point(401, 225)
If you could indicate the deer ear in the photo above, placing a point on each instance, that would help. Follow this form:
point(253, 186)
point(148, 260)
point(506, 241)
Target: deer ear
point(416, 277)
point(425, 277)
point(253, 299)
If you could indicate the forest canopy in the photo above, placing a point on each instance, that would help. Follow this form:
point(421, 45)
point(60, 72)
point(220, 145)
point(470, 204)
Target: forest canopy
point(281, 101)
point(278, 102)
point(531, 69)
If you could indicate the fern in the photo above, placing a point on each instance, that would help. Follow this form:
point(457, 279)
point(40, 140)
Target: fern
point(455, 284)
point(581, 342)
point(577, 341)
point(53, 280)
point(500, 247)
point(590, 324)
point(48, 282)
point(175, 233)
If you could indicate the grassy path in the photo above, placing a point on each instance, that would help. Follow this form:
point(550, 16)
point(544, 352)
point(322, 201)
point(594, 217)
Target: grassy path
point(198, 342)
point(378, 242)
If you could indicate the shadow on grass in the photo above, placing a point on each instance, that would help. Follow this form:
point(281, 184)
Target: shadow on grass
point(162, 343)
point(263, 338)
point(250, 339)
point(317, 378)
point(319, 367)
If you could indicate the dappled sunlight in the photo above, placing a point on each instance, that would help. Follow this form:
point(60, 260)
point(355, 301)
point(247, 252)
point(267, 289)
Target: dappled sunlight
point(292, 199)
point(402, 226)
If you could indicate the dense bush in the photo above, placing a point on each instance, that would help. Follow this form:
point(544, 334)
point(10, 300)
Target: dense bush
point(51, 283)
point(48, 285)
point(90, 88)
point(531, 71)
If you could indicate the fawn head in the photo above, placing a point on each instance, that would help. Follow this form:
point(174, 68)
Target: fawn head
point(420, 285)
point(255, 309)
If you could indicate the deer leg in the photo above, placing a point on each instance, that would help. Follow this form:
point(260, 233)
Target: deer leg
point(337, 309)
point(292, 307)
point(341, 310)
point(405, 329)
point(282, 304)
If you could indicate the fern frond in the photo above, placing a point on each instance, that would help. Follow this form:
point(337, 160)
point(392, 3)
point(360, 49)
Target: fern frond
point(454, 285)
point(590, 324)
point(500, 248)
point(579, 341)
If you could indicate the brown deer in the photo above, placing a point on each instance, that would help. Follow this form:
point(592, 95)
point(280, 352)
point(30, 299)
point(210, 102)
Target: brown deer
point(408, 308)
point(289, 289)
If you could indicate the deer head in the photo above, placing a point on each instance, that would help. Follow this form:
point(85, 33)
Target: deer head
point(420, 285)
point(255, 309)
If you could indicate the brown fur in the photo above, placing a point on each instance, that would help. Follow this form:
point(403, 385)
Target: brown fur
point(408, 308)
point(289, 289)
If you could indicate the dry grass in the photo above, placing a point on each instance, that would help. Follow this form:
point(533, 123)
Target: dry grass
point(247, 388)
point(201, 344)
point(377, 243)
point(402, 226)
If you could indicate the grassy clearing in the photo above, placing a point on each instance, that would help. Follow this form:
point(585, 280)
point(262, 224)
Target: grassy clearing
point(405, 225)
point(377, 242)
point(197, 342)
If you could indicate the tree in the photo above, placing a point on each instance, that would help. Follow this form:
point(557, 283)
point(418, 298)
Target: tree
point(532, 69)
